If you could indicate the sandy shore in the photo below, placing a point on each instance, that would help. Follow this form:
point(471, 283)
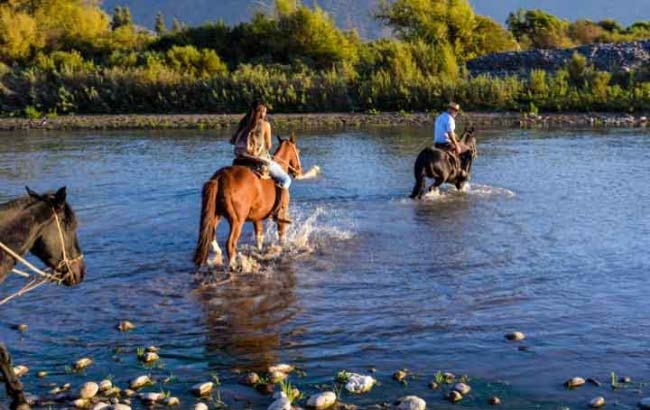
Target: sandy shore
point(289, 121)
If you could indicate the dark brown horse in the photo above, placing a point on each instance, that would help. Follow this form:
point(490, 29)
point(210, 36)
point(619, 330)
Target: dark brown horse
point(46, 226)
point(240, 196)
point(438, 165)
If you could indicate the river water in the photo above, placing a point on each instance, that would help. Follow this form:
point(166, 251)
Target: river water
point(550, 239)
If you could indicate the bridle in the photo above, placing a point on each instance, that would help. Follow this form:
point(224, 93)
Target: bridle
point(47, 277)
point(294, 170)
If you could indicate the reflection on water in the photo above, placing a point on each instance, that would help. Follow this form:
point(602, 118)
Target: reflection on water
point(550, 239)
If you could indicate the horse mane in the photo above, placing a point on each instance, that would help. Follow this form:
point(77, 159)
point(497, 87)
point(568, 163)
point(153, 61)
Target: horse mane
point(16, 203)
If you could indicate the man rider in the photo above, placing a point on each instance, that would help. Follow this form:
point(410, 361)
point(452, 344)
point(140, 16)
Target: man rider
point(445, 135)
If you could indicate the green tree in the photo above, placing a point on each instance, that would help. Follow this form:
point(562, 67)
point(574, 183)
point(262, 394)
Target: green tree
point(160, 26)
point(538, 29)
point(121, 17)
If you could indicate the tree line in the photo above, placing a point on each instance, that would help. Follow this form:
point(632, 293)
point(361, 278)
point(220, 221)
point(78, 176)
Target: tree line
point(69, 56)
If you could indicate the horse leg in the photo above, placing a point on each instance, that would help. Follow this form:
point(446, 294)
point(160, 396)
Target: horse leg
point(436, 184)
point(233, 239)
point(218, 254)
point(12, 383)
point(282, 231)
point(418, 189)
point(259, 234)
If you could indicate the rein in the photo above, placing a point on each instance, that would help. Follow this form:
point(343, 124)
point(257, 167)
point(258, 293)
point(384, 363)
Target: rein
point(295, 170)
point(47, 277)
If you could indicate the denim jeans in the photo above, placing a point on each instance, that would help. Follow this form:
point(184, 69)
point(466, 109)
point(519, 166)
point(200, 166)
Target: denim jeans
point(277, 173)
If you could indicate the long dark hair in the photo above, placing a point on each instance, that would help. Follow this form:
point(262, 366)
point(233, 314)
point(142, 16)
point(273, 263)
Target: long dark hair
point(250, 120)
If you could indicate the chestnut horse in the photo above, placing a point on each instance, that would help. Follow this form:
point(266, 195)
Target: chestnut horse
point(46, 226)
point(240, 196)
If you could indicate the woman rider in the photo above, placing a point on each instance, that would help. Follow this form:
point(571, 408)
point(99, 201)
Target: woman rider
point(253, 142)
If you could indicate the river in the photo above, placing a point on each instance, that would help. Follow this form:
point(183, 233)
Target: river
point(551, 239)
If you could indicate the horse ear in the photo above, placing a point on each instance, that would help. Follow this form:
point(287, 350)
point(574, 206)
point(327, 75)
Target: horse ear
point(293, 138)
point(60, 196)
point(32, 193)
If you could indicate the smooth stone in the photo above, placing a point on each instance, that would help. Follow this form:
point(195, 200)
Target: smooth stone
point(21, 370)
point(112, 392)
point(42, 374)
point(574, 382)
point(462, 388)
point(20, 327)
point(625, 379)
point(202, 389)
point(449, 377)
point(454, 396)
point(83, 363)
point(515, 336)
point(433, 385)
point(88, 390)
point(139, 382)
point(644, 404)
point(120, 406)
point(105, 385)
point(172, 401)
point(151, 397)
point(411, 403)
point(282, 368)
point(250, 379)
point(200, 406)
point(101, 406)
point(597, 402)
point(81, 403)
point(282, 403)
point(277, 377)
point(129, 393)
point(323, 400)
point(400, 375)
point(152, 349)
point(359, 383)
point(150, 357)
point(125, 326)
point(494, 401)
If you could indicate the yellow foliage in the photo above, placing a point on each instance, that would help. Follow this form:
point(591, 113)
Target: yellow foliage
point(71, 21)
point(18, 34)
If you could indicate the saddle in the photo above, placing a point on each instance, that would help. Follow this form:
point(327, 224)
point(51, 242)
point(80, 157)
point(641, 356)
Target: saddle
point(454, 160)
point(256, 165)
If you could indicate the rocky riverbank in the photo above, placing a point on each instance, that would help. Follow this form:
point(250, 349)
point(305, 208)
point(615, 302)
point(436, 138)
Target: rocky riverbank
point(612, 57)
point(287, 122)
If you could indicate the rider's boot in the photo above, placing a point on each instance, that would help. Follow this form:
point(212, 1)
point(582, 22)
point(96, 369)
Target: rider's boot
point(282, 213)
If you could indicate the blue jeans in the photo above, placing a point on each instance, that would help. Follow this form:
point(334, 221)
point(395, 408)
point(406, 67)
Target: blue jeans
point(277, 173)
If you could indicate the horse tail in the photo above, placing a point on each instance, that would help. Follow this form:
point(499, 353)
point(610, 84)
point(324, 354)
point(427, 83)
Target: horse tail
point(208, 220)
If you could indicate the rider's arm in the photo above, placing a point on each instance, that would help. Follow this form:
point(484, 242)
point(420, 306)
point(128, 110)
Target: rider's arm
point(267, 135)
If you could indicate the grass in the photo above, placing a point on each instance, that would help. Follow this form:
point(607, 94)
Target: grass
point(292, 393)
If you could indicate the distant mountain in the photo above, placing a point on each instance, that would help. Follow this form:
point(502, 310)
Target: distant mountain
point(358, 13)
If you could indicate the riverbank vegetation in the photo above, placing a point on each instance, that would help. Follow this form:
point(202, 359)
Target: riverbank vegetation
point(69, 56)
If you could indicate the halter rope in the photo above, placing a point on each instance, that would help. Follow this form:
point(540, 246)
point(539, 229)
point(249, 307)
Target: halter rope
point(47, 277)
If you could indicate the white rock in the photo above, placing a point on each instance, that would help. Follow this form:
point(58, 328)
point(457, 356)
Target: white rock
point(125, 326)
point(21, 370)
point(88, 390)
point(105, 385)
point(277, 377)
point(411, 403)
point(358, 383)
point(202, 389)
point(139, 382)
point(323, 400)
point(101, 406)
point(597, 402)
point(282, 368)
point(150, 357)
point(151, 397)
point(172, 401)
point(515, 336)
point(81, 403)
point(83, 363)
point(120, 406)
point(574, 382)
point(282, 403)
point(462, 388)
point(200, 406)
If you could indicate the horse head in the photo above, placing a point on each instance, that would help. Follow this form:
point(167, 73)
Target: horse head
point(57, 244)
point(469, 139)
point(288, 155)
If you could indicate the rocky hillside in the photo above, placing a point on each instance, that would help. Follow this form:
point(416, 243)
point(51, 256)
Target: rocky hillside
point(606, 57)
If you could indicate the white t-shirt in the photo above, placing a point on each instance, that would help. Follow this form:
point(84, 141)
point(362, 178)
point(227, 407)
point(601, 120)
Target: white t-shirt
point(444, 124)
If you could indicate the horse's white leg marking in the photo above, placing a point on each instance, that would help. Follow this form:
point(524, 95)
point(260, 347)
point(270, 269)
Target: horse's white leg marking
point(218, 255)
